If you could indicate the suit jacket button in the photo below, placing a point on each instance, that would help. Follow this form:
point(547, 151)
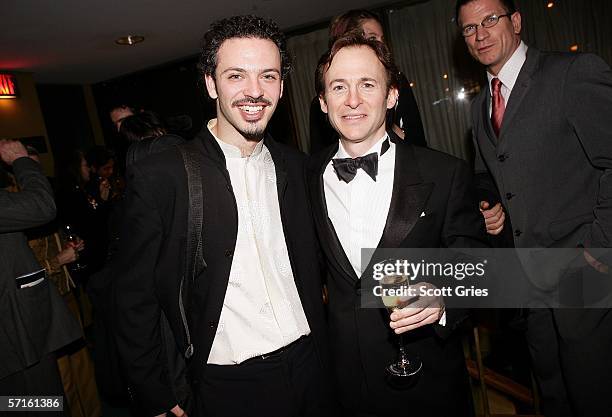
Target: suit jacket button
point(212, 324)
point(358, 292)
point(509, 196)
point(517, 233)
point(229, 253)
point(502, 157)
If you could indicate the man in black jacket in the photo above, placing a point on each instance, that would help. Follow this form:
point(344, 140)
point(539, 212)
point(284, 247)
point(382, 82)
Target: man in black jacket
point(255, 318)
point(371, 190)
point(34, 321)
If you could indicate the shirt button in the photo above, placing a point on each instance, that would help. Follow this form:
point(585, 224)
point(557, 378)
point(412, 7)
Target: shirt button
point(510, 195)
point(517, 233)
point(229, 253)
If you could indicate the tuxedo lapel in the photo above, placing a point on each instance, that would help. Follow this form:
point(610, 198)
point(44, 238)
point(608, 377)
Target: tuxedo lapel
point(409, 197)
point(520, 88)
point(327, 233)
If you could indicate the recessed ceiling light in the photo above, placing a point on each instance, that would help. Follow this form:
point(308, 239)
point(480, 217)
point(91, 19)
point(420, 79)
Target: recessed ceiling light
point(550, 5)
point(129, 40)
point(574, 48)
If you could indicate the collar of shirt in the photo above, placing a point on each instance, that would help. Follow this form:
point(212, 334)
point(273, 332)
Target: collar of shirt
point(511, 69)
point(231, 151)
point(342, 153)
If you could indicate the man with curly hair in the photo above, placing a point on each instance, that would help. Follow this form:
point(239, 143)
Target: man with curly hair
point(254, 322)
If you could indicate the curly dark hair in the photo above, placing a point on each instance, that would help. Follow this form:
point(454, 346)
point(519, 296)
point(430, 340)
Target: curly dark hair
point(353, 39)
point(248, 26)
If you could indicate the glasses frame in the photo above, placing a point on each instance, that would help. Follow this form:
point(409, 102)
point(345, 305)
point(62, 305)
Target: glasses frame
point(476, 26)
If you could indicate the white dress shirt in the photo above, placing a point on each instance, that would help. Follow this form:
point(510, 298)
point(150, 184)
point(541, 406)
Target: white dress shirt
point(509, 73)
point(358, 209)
point(261, 311)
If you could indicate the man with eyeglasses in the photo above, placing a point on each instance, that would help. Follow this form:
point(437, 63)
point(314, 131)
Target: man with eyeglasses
point(543, 137)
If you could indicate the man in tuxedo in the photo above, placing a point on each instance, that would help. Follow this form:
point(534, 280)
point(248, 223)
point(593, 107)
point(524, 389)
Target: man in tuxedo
point(372, 190)
point(544, 144)
point(253, 327)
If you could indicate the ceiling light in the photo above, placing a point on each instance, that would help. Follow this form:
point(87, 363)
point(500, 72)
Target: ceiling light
point(411, 84)
point(129, 40)
point(550, 5)
point(445, 76)
point(574, 48)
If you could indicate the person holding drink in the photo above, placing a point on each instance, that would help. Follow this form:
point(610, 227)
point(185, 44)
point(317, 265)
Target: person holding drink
point(371, 190)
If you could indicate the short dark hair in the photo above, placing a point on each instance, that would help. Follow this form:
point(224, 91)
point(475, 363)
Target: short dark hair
point(508, 5)
point(349, 22)
point(141, 125)
point(248, 26)
point(353, 39)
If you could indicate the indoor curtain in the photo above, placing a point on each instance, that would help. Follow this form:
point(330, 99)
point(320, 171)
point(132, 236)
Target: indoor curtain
point(306, 50)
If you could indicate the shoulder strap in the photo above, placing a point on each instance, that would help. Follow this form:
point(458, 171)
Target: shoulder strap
point(195, 218)
point(194, 259)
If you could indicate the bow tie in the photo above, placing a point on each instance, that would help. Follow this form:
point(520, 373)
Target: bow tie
point(346, 168)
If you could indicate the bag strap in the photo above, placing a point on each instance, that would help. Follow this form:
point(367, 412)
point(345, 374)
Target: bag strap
point(194, 259)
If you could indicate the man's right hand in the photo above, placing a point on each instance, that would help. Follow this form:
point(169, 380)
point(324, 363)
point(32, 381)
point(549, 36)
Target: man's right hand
point(10, 150)
point(494, 217)
point(176, 410)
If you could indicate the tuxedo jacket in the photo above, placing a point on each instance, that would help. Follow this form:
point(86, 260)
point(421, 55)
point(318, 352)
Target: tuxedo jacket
point(34, 321)
point(152, 255)
point(361, 339)
point(552, 161)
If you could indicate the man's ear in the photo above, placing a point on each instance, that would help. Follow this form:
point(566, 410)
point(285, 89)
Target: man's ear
point(323, 104)
point(211, 86)
point(392, 97)
point(516, 22)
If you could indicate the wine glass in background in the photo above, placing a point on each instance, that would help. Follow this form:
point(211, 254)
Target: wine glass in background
point(74, 241)
point(405, 366)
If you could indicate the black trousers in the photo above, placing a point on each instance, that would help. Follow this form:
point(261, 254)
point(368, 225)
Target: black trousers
point(571, 352)
point(288, 383)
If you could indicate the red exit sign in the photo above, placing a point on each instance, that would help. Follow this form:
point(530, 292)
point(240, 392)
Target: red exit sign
point(8, 86)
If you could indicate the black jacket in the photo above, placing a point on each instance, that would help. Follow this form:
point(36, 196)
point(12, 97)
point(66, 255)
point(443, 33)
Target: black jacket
point(361, 340)
point(152, 255)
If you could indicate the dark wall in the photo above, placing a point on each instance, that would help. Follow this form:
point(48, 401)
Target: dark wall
point(65, 114)
point(171, 90)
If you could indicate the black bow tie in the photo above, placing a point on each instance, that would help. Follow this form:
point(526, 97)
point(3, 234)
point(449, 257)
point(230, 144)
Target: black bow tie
point(346, 168)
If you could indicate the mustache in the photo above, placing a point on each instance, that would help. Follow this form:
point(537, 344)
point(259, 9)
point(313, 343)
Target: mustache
point(251, 100)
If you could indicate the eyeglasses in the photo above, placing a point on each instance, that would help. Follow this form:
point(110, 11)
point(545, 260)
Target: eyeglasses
point(487, 23)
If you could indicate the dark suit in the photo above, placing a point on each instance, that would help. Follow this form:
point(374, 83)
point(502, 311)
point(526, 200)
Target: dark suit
point(34, 322)
point(153, 253)
point(362, 342)
point(552, 167)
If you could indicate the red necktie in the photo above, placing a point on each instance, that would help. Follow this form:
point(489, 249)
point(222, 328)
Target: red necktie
point(497, 113)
